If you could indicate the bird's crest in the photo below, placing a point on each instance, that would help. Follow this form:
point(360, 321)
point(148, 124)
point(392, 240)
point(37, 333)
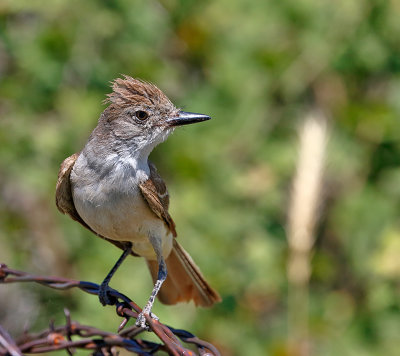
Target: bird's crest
point(130, 91)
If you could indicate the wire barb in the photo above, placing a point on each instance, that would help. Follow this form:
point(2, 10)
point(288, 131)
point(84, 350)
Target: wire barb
point(102, 343)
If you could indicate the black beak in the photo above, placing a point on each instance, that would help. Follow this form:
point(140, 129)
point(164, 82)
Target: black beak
point(185, 118)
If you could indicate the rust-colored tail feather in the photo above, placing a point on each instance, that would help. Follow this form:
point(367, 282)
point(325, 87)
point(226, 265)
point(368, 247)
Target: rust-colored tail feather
point(184, 281)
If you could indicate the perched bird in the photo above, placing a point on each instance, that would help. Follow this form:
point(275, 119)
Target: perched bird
point(112, 189)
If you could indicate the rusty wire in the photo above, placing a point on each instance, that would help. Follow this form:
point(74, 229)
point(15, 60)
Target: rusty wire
point(100, 342)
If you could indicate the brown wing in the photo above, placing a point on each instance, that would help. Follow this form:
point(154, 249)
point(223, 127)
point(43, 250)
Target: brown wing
point(155, 193)
point(64, 199)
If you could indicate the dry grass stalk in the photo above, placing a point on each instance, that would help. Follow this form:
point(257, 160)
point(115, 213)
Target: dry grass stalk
point(302, 218)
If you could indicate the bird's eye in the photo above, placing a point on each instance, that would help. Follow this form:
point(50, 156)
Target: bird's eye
point(141, 115)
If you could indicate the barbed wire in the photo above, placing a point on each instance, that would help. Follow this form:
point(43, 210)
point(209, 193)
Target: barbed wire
point(102, 343)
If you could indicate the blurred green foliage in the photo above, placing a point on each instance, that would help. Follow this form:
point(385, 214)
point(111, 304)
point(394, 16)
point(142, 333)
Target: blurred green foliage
point(257, 67)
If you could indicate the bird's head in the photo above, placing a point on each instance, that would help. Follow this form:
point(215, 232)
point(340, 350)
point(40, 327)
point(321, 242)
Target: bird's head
point(142, 113)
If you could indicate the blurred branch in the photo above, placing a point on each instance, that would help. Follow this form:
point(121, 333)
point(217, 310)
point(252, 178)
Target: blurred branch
point(8, 343)
point(301, 222)
point(60, 337)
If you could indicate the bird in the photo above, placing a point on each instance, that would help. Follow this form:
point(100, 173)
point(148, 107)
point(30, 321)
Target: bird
point(113, 189)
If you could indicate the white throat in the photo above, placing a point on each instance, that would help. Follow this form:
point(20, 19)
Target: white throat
point(134, 157)
point(128, 165)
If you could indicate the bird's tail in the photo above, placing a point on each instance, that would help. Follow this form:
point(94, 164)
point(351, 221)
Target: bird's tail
point(184, 281)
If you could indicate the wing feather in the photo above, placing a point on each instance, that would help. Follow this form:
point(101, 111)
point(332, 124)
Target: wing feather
point(156, 195)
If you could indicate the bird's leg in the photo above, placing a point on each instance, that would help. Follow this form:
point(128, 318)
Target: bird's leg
point(161, 277)
point(104, 297)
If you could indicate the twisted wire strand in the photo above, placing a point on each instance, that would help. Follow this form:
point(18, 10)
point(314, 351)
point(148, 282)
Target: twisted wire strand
point(91, 338)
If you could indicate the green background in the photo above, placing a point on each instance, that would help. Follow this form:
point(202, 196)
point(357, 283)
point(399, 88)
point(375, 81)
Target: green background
point(258, 68)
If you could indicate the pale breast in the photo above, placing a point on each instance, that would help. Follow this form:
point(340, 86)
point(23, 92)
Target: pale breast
point(114, 208)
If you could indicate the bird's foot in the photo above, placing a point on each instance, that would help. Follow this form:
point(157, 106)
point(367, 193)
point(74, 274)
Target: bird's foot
point(141, 319)
point(104, 295)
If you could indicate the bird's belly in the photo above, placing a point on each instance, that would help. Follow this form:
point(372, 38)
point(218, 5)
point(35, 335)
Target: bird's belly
point(123, 217)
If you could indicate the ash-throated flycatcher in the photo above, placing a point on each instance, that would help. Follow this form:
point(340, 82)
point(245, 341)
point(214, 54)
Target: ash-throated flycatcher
point(112, 189)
